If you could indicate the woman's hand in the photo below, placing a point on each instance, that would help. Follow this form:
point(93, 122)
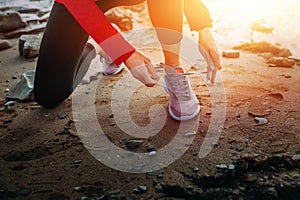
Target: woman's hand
point(209, 50)
point(142, 69)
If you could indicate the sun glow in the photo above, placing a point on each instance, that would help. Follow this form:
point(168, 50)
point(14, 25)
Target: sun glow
point(233, 20)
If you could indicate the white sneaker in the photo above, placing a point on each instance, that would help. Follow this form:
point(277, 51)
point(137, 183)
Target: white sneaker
point(183, 104)
point(109, 67)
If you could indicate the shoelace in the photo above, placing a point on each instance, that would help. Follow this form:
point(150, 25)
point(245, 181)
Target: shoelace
point(180, 85)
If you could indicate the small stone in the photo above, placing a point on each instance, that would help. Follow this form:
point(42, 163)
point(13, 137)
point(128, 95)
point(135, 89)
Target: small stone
point(214, 144)
point(133, 144)
point(11, 20)
point(158, 188)
point(93, 78)
point(261, 120)
point(196, 169)
point(142, 188)
point(281, 62)
point(77, 189)
point(9, 103)
point(152, 153)
point(239, 148)
point(61, 116)
point(14, 77)
point(190, 134)
point(221, 167)
point(5, 44)
point(6, 90)
point(7, 121)
point(29, 46)
point(22, 89)
point(296, 157)
point(102, 197)
point(231, 167)
point(189, 187)
point(231, 54)
point(76, 163)
point(136, 191)
point(114, 192)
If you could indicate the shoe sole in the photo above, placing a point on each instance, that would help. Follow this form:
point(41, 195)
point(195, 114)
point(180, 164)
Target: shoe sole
point(120, 68)
point(182, 118)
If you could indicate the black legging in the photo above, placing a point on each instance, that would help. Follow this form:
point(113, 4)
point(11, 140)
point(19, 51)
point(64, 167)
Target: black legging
point(64, 44)
point(63, 48)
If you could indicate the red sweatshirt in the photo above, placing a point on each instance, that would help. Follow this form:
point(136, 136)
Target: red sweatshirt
point(95, 23)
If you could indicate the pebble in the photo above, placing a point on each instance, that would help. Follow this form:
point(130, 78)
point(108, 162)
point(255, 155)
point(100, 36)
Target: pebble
point(189, 187)
point(296, 157)
point(76, 189)
point(6, 90)
point(214, 144)
point(142, 188)
point(29, 46)
point(196, 169)
point(5, 44)
point(231, 54)
point(133, 144)
point(7, 121)
point(114, 192)
point(11, 20)
point(231, 167)
point(151, 147)
point(61, 116)
point(222, 167)
point(158, 188)
point(152, 153)
point(239, 148)
point(9, 103)
point(190, 134)
point(261, 120)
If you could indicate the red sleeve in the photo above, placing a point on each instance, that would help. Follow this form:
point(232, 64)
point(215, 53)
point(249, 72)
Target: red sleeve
point(95, 23)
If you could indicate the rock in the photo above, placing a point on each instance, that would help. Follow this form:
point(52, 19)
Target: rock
point(23, 89)
point(5, 44)
point(121, 17)
point(221, 167)
point(231, 167)
point(142, 188)
point(261, 120)
point(7, 121)
point(190, 134)
point(261, 26)
point(152, 153)
point(196, 169)
point(239, 148)
point(61, 116)
point(231, 54)
point(29, 46)
point(263, 47)
point(114, 192)
point(133, 144)
point(296, 157)
point(32, 29)
point(281, 62)
point(11, 20)
point(214, 144)
point(294, 58)
point(9, 103)
point(158, 188)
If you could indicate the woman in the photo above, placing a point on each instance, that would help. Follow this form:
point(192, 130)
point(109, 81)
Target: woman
point(64, 47)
